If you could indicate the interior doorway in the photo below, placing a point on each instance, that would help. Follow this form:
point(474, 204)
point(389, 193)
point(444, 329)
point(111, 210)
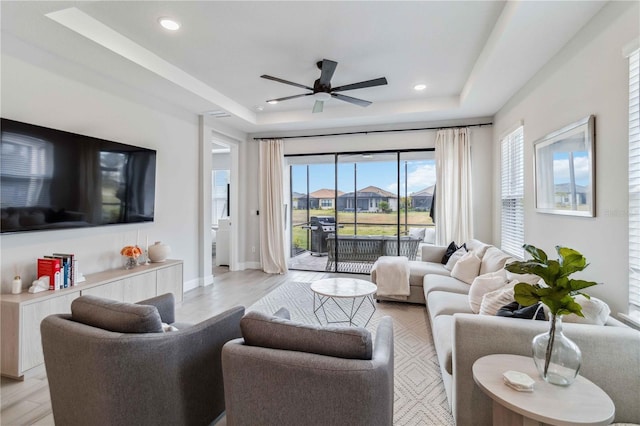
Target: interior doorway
point(220, 209)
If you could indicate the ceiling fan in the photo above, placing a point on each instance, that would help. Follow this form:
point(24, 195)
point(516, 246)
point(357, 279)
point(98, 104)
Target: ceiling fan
point(322, 89)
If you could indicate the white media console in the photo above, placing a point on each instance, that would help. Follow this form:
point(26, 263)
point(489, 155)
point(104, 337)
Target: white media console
point(21, 314)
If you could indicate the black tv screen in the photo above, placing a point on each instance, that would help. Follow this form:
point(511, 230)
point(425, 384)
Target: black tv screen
point(51, 179)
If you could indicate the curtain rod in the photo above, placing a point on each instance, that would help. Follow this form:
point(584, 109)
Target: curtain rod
point(365, 132)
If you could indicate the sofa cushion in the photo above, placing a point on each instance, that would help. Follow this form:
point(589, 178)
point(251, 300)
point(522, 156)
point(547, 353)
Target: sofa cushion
point(455, 256)
point(116, 316)
point(273, 332)
point(493, 260)
point(418, 270)
point(493, 301)
point(430, 235)
point(445, 303)
point(442, 331)
point(467, 268)
point(442, 283)
point(484, 284)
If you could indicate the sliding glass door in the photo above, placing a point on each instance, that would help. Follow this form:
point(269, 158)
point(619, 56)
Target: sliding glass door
point(347, 209)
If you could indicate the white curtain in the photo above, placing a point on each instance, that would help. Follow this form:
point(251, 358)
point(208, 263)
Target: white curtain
point(272, 236)
point(454, 218)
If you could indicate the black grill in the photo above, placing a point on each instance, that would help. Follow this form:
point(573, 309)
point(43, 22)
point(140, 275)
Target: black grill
point(321, 227)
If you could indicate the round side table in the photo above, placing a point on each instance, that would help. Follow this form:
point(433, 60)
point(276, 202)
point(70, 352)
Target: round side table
point(581, 403)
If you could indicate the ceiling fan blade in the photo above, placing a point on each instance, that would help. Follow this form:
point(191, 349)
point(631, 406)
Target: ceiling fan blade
point(355, 101)
point(369, 83)
point(318, 106)
point(279, 80)
point(289, 97)
point(328, 68)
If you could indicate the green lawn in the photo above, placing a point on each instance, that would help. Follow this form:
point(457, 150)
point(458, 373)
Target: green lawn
point(368, 223)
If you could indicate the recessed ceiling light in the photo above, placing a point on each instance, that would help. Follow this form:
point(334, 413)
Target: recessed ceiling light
point(272, 102)
point(419, 87)
point(259, 107)
point(169, 24)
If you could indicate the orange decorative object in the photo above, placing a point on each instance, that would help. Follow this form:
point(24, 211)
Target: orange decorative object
point(131, 251)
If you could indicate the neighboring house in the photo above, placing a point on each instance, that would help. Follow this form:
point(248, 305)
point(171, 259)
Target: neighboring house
point(367, 200)
point(298, 201)
point(421, 200)
point(563, 195)
point(323, 199)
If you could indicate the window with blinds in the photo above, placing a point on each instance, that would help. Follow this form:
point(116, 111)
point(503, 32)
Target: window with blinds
point(512, 214)
point(634, 186)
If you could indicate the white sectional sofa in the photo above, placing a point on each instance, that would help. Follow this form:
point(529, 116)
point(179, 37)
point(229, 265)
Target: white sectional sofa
point(611, 353)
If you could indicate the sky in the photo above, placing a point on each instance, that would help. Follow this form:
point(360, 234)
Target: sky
point(580, 167)
point(420, 175)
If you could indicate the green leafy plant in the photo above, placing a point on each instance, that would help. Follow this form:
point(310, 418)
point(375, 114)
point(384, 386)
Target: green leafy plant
point(559, 290)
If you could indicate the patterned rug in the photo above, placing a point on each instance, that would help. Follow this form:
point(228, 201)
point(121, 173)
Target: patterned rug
point(420, 397)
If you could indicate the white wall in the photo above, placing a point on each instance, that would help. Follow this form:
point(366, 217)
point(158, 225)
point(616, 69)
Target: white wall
point(589, 76)
point(35, 95)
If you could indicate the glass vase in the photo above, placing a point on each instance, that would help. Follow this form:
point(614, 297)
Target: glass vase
point(129, 262)
point(557, 357)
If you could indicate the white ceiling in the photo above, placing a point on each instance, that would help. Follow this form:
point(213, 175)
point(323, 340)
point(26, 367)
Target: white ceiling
point(472, 55)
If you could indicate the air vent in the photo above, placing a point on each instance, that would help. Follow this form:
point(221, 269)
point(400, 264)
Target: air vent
point(218, 113)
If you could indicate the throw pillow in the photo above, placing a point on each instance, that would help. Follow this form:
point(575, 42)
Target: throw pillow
point(430, 235)
point(521, 278)
point(595, 311)
point(116, 316)
point(466, 269)
point(516, 310)
point(493, 260)
point(454, 258)
point(478, 247)
point(268, 331)
point(417, 233)
point(483, 284)
point(451, 248)
point(494, 300)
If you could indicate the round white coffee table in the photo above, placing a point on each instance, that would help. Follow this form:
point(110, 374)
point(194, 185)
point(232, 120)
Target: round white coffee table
point(581, 403)
point(331, 289)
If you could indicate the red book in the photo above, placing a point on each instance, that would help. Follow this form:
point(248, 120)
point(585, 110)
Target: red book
point(51, 269)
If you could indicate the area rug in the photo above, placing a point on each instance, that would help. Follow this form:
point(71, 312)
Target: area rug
point(420, 397)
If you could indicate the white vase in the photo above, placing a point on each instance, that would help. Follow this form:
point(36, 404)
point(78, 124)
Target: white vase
point(158, 252)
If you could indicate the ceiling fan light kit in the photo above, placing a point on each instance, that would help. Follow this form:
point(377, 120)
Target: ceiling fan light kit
point(322, 90)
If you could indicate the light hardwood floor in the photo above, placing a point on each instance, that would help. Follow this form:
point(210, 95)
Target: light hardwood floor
point(27, 402)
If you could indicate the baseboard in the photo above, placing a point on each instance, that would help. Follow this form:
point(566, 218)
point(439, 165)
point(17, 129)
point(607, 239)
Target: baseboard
point(197, 282)
point(249, 265)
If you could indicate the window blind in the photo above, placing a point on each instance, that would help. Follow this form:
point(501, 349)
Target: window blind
point(634, 185)
point(512, 212)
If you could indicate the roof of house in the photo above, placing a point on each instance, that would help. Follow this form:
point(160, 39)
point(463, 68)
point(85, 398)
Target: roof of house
point(325, 193)
point(564, 187)
point(371, 192)
point(427, 192)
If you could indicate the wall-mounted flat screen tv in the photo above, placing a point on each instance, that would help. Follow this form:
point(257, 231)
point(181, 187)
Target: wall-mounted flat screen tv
point(51, 179)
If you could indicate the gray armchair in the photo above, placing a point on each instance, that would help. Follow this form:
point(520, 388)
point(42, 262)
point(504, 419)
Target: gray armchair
point(285, 373)
point(110, 363)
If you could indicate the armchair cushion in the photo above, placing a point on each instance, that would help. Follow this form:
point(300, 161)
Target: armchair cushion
point(278, 332)
point(116, 316)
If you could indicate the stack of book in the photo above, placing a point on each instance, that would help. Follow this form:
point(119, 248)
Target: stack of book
point(60, 268)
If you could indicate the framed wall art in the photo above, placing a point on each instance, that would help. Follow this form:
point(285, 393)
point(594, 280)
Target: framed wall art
point(565, 170)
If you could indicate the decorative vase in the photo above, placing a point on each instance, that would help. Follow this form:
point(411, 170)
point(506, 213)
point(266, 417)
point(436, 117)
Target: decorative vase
point(557, 357)
point(129, 262)
point(158, 252)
